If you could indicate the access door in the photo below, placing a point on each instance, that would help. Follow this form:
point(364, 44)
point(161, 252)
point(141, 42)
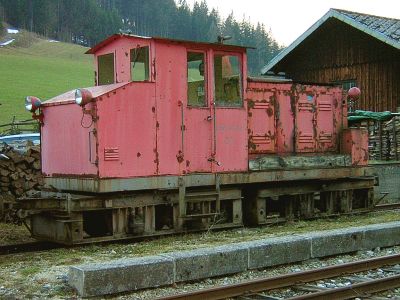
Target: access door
point(229, 139)
point(305, 121)
point(326, 133)
point(315, 119)
point(260, 104)
point(196, 115)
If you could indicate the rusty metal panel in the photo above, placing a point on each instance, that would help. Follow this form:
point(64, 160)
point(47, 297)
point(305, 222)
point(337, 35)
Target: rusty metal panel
point(305, 128)
point(355, 143)
point(197, 139)
point(170, 92)
point(68, 144)
point(231, 140)
point(326, 133)
point(127, 131)
point(285, 112)
point(261, 117)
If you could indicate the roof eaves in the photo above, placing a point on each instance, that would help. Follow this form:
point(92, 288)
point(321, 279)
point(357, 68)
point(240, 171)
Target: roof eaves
point(297, 42)
point(366, 29)
point(335, 14)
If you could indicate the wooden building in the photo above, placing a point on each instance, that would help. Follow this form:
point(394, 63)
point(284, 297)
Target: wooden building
point(350, 49)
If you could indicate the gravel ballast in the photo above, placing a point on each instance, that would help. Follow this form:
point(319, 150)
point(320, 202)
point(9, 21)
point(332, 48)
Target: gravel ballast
point(40, 275)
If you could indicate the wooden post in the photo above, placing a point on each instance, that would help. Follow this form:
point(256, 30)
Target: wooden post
point(380, 141)
point(1, 207)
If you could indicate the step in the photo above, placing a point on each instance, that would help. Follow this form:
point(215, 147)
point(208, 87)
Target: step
point(201, 194)
point(200, 216)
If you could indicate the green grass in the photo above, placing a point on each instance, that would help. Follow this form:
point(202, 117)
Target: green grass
point(37, 67)
point(30, 270)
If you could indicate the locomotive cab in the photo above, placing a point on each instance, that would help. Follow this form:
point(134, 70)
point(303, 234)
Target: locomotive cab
point(159, 107)
point(174, 136)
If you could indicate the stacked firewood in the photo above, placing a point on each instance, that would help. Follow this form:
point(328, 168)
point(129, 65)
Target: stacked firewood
point(19, 171)
point(391, 132)
point(384, 138)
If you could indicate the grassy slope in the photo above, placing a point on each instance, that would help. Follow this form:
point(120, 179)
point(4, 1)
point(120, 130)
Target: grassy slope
point(42, 69)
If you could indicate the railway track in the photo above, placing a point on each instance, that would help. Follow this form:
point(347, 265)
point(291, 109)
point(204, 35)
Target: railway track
point(28, 247)
point(388, 206)
point(358, 285)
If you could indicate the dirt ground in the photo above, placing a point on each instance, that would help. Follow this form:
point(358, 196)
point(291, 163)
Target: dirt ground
point(13, 234)
point(41, 275)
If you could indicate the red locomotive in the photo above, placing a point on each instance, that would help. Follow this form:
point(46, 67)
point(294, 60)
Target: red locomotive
point(175, 136)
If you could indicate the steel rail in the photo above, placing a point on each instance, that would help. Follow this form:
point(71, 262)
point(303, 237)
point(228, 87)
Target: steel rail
point(286, 280)
point(387, 206)
point(28, 247)
point(355, 290)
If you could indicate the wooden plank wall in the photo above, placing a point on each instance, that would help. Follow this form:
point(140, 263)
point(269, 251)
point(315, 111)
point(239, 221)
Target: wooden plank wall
point(337, 52)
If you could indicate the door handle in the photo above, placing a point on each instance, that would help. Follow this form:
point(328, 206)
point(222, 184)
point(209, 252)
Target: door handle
point(209, 118)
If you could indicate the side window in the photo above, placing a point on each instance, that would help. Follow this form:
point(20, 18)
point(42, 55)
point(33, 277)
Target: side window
point(346, 84)
point(106, 72)
point(227, 80)
point(140, 64)
point(196, 89)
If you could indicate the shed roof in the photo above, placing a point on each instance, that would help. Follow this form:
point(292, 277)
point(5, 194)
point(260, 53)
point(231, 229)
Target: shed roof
point(384, 29)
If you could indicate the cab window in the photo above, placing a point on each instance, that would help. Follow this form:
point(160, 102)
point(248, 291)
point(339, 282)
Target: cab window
point(140, 64)
point(106, 72)
point(196, 88)
point(227, 80)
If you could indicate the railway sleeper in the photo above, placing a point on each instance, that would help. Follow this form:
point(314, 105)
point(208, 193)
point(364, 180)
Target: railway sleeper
point(77, 219)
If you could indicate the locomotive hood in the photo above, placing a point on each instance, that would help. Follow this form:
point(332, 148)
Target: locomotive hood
point(96, 91)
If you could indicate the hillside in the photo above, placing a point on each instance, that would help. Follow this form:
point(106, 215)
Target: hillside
point(35, 66)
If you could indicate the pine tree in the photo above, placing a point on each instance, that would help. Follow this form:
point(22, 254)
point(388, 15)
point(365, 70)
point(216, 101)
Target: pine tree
point(87, 22)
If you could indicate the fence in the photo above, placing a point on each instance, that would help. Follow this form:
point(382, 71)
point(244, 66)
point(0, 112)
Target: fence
point(16, 127)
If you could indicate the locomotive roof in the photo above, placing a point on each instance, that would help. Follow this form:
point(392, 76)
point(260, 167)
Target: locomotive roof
point(218, 46)
point(96, 91)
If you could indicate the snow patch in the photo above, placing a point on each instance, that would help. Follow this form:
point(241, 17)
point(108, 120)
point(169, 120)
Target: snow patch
point(12, 31)
point(7, 43)
point(53, 41)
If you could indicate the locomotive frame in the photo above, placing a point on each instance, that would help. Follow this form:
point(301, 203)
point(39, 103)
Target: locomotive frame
point(211, 147)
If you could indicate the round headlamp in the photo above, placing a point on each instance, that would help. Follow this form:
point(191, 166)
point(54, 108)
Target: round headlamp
point(32, 103)
point(83, 97)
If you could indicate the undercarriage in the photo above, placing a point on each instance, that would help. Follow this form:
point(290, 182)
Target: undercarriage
point(190, 203)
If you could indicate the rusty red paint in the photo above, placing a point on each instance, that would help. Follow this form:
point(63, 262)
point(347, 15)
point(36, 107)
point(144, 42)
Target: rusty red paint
point(305, 116)
point(71, 153)
point(156, 132)
point(355, 143)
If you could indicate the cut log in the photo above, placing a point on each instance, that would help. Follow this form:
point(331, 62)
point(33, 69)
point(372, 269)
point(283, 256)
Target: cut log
point(36, 165)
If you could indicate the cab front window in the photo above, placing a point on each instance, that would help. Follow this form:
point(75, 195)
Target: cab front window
point(196, 78)
point(227, 80)
point(105, 64)
point(140, 64)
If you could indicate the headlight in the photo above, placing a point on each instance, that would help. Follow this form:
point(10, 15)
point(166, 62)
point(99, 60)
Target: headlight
point(32, 103)
point(78, 96)
point(83, 97)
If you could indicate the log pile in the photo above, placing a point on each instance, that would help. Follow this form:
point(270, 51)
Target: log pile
point(384, 138)
point(20, 171)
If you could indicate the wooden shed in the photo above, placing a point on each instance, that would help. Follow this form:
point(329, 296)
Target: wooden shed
point(349, 49)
